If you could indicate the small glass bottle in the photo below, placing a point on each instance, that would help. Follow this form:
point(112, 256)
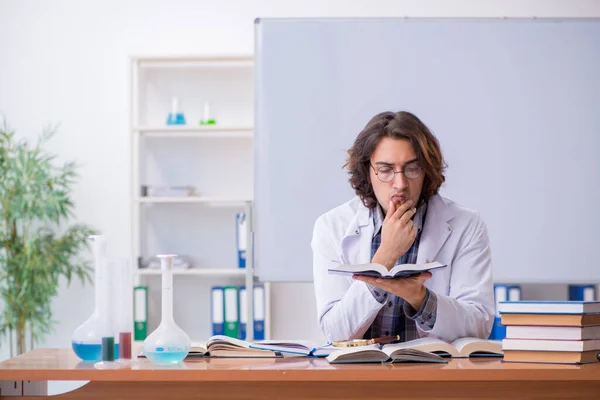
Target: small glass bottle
point(168, 344)
point(87, 338)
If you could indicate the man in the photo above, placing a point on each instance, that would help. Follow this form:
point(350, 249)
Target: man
point(396, 168)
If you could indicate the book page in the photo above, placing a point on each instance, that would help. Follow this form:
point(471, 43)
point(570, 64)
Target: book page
point(292, 343)
point(303, 347)
point(410, 269)
point(469, 345)
point(370, 269)
point(426, 344)
point(221, 340)
point(367, 353)
point(198, 347)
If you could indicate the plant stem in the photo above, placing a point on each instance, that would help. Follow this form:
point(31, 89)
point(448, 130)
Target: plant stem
point(10, 342)
point(21, 348)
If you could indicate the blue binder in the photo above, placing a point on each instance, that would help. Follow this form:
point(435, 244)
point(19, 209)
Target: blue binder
point(259, 312)
point(582, 292)
point(500, 294)
point(241, 239)
point(243, 312)
point(217, 311)
point(503, 293)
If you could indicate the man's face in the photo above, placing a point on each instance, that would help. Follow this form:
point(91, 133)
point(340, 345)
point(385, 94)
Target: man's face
point(396, 155)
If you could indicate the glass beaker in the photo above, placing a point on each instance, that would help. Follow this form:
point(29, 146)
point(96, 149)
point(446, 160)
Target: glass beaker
point(168, 344)
point(87, 338)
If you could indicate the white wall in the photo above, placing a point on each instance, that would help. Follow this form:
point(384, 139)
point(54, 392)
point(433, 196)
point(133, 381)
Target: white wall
point(66, 61)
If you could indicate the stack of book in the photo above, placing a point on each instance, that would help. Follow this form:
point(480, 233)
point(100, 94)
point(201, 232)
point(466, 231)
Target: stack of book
point(566, 332)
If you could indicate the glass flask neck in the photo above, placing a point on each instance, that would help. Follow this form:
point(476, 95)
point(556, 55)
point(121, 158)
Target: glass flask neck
point(100, 271)
point(167, 290)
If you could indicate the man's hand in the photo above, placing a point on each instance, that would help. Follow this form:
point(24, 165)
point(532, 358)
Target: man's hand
point(398, 233)
point(411, 289)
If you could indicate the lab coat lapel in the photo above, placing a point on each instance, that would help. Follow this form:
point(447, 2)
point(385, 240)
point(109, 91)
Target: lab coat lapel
point(356, 244)
point(436, 230)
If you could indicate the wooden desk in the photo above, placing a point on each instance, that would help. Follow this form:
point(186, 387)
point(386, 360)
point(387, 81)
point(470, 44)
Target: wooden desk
point(315, 379)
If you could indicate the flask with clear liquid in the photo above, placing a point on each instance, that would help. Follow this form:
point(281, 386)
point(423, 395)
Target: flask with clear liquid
point(168, 344)
point(87, 338)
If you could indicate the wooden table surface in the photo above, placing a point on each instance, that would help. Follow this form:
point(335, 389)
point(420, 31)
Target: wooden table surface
point(62, 364)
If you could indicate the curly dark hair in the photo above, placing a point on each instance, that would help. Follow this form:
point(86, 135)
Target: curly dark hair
point(399, 125)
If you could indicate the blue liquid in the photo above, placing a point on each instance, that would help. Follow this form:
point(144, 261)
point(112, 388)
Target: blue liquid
point(169, 357)
point(90, 352)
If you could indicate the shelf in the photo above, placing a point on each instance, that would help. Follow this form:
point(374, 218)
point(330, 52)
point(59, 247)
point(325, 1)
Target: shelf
point(196, 271)
point(215, 201)
point(213, 131)
point(195, 62)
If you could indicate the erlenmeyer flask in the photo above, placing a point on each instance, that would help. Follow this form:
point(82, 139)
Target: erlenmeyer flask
point(87, 338)
point(168, 344)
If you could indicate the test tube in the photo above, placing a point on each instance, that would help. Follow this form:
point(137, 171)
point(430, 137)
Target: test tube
point(125, 310)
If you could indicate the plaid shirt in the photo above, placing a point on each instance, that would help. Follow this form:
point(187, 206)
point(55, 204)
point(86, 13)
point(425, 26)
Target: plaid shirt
point(398, 317)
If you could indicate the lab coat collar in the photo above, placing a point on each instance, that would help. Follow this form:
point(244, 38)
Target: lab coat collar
point(435, 231)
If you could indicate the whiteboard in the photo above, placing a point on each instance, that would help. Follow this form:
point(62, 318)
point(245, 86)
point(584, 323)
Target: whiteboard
point(514, 103)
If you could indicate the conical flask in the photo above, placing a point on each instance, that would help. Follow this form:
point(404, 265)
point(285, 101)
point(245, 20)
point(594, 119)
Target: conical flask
point(87, 338)
point(168, 344)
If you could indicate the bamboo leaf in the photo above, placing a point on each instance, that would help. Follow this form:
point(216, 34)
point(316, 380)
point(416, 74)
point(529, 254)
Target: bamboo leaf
point(37, 246)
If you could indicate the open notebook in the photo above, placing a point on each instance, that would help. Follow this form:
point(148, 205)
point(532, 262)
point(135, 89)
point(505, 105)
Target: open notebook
point(427, 349)
point(225, 346)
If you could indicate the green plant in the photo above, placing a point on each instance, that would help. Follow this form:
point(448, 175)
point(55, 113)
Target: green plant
point(37, 248)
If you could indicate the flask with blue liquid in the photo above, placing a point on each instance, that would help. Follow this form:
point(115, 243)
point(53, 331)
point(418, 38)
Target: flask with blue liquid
point(168, 344)
point(88, 337)
point(176, 116)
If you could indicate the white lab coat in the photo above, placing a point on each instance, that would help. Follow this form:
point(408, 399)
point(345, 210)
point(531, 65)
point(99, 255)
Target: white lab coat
point(452, 235)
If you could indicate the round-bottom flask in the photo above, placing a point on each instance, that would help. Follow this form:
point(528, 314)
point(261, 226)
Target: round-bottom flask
point(168, 344)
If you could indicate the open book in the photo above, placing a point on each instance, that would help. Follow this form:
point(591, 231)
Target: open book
point(378, 270)
point(228, 347)
point(427, 349)
point(294, 347)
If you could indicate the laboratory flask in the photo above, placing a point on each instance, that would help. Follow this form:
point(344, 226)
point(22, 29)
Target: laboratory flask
point(168, 344)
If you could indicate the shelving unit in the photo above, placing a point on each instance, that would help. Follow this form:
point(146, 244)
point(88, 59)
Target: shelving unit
point(215, 159)
point(216, 201)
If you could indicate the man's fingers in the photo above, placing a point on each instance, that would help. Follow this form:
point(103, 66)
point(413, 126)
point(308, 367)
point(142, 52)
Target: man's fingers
point(405, 218)
point(391, 210)
point(423, 276)
point(402, 209)
point(363, 278)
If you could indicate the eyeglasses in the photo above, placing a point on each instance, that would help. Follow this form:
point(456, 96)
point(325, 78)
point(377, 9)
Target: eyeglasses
point(387, 174)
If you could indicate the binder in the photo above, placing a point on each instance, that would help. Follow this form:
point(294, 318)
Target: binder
point(259, 312)
point(217, 313)
point(231, 306)
point(514, 293)
point(243, 314)
point(242, 239)
point(582, 292)
point(501, 293)
point(140, 312)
